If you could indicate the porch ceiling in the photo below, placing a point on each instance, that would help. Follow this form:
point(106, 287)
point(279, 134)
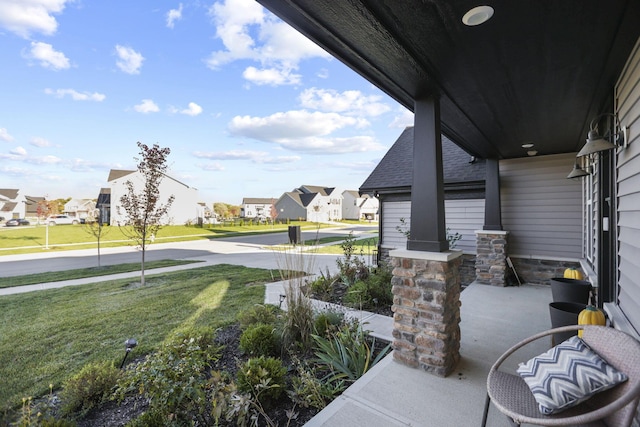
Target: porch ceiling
point(538, 71)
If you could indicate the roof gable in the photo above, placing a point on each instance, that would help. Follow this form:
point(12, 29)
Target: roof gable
point(395, 170)
point(118, 173)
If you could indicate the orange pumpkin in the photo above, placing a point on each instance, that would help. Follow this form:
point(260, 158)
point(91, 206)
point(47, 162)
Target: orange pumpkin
point(591, 315)
point(572, 273)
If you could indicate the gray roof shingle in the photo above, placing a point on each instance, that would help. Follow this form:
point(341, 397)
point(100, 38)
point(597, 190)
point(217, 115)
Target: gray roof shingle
point(395, 170)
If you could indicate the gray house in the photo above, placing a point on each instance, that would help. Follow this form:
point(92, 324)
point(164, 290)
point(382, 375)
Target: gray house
point(525, 88)
point(391, 183)
point(311, 203)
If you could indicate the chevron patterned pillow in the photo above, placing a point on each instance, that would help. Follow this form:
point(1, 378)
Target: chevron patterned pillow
point(567, 375)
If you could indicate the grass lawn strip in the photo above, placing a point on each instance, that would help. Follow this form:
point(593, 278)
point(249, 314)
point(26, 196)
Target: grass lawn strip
point(47, 336)
point(58, 276)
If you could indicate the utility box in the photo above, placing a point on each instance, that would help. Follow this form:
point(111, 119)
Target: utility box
point(294, 234)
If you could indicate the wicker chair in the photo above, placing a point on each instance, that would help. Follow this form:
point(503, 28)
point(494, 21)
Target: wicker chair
point(615, 407)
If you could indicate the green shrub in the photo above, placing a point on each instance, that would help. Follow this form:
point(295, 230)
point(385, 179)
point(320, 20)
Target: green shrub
point(174, 377)
point(311, 391)
point(89, 387)
point(298, 320)
point(327, 322)
point(348, 354)
point(263, 378)
point(322, 287)
point(259, 340)
point(371, 292)
point(152, 418)
point(259, 313)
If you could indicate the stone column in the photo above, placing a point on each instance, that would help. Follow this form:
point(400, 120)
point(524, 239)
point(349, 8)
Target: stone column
point(426, 306)
point(491, 257)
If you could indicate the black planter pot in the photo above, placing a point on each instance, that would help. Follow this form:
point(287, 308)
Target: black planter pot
point(570, 290)
point(564, 314)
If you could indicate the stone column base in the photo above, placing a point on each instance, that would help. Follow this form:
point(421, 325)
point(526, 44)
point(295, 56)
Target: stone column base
point(426, 306)
point(491, 257)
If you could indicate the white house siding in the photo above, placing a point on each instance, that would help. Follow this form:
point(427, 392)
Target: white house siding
point(461, 216)
point(184, 208)
point(627, 97)
point(541, 208)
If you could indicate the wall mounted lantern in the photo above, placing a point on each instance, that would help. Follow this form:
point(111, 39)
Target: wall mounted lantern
point(610, 139)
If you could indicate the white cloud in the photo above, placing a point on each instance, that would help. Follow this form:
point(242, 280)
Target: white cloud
point(48, 56)
point(44, 160)
point(280, 160)
point(75, 95)
point(403, 119)
point(130, 61)
point(174, 15)
point(146, 106)
point(351, 102)
point(249, 32)
point(40, 142)
point(271, 76)
point(215, 167)
point(4, 135)
point(192, 110)
point(19, 151)
point(304, 131)
point(23, 17)
point(230, 155)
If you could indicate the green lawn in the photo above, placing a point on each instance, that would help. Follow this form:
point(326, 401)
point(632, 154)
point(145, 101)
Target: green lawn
point(361, 247)
point(19, 240)
point(48, 336)
point(56, 276)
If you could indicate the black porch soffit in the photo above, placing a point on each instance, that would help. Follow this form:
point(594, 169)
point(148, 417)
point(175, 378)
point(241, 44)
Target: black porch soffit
point(537, 72)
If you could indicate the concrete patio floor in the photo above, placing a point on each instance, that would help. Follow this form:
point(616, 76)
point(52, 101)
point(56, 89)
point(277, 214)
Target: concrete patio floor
point(392, 394)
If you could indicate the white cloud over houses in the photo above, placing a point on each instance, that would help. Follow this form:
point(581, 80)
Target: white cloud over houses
point(305, 131)
point(75, 95)
point(129, 61)
point(212, 167)
point(48, 57)
point(174, 15)
point(5, 136)
point(25, 17)
point(250, 32)
point(351, 102)
point(146, 106)
point(40, 142)
point(250, 155)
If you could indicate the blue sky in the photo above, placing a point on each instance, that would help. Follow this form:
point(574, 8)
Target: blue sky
point(248, 106)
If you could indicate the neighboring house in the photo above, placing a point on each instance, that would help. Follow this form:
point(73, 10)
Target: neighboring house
point(184, 209)
point(357, 207)
point(464, 185)
point(11, 204)
point(34, 207)
point(310, 203)
point(80, 208)
point(256, 207)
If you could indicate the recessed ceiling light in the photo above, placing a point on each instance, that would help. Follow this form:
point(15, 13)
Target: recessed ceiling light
point(527, 145)
point(477, 15)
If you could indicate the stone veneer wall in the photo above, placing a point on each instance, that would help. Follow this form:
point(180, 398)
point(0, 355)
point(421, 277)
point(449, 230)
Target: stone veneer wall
point(491, 257)
point(426, 306)
point(467, 266)
point(540, 271)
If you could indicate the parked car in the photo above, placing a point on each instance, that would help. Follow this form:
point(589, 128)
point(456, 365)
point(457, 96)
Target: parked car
point(14, 222)
point(61, 219)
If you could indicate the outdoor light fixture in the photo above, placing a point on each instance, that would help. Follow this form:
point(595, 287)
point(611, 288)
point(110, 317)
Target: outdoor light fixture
point(596, 143)
point(577, 171)
point(477, 15)
point(128, 346)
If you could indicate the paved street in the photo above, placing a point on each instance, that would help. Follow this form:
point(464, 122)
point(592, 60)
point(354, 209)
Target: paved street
point(250, 251)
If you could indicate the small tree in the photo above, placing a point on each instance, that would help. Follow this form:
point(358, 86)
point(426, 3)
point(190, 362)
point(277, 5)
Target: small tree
point(93, 225)
point(273, 212)
point(143, 209)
